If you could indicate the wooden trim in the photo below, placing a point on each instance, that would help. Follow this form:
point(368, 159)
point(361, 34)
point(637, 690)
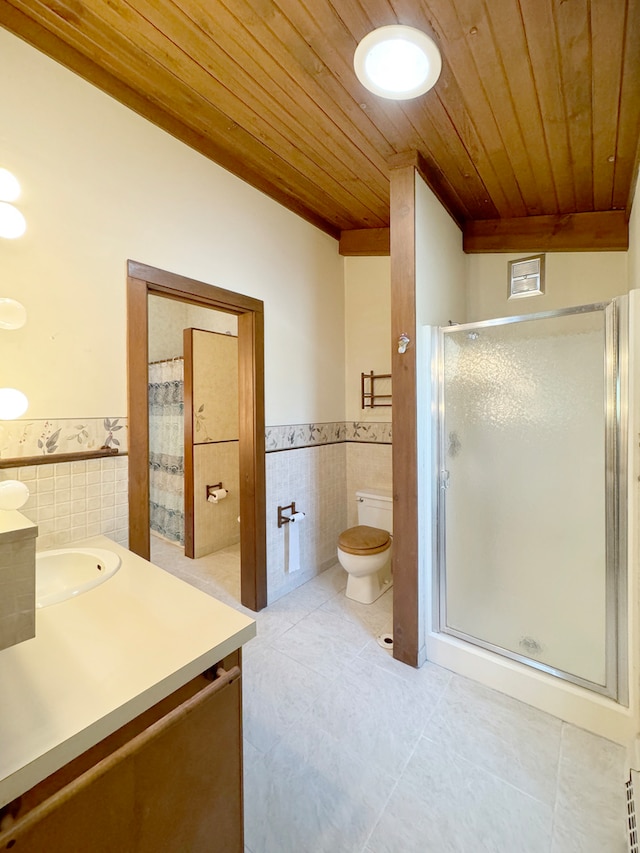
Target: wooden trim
point(251, 414)
point(406, 612)
point(189, 486)
point(138, 415)
point(603, 231)
point(52, 459)
point(365, 242)
point(184, 289)
point(211, 443)
point(253, 547)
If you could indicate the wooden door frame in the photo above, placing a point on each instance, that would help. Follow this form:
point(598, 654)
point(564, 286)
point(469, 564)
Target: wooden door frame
point(143, 280)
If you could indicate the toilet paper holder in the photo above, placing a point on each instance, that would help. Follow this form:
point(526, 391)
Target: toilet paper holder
point(214, 488)
point(285, 519)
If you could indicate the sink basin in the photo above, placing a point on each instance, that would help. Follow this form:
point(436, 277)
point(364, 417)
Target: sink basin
point(69, 572)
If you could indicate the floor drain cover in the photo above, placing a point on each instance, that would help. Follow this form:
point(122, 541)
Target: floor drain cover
point(386, 641)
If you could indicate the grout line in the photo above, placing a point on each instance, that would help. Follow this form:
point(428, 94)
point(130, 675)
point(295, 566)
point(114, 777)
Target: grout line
point(391, 792)
point(493, 774)
point(558, 763)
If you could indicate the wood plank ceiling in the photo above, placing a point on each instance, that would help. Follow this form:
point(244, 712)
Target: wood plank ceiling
point(533, 126)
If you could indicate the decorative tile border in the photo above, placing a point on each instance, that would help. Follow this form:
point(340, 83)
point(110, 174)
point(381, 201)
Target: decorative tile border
point(377, 433)
point(295, 436)
point(292, 436)
point(51, 437)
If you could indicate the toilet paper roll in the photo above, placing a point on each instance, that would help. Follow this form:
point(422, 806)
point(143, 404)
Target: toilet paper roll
point(293, 543)
point(217, 495)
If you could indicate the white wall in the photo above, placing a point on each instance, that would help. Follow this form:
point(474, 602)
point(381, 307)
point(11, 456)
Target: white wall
point(572, 278)
point(441, 267)
point(102, 185)
point(367, 289)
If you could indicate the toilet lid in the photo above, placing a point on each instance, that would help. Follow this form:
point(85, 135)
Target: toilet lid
point(364, 540)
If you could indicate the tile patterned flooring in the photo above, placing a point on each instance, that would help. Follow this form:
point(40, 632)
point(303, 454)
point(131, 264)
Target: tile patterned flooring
point(349, 751)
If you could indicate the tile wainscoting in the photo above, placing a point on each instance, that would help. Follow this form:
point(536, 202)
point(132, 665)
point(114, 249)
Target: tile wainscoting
point(313, 477)
point(70, 501)
point(322, 480)
point(319, 466)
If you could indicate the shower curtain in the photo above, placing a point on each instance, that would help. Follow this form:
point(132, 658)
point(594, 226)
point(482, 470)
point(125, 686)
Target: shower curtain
point(166, 448)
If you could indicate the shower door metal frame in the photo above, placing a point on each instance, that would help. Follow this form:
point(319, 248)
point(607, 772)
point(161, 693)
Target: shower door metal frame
point(616, 351)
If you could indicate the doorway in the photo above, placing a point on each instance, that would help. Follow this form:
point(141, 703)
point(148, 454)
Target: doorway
point(143, 280)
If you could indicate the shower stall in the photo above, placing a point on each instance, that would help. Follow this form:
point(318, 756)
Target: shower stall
point(530, 549)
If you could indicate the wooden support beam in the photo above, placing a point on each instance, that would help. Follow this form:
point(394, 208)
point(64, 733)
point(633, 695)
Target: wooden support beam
point(406, 609)
point(601, 231)
point(430, 174)
point(369, 242)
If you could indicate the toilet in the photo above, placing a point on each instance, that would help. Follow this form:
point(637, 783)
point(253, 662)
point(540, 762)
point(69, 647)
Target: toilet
point(364, 551)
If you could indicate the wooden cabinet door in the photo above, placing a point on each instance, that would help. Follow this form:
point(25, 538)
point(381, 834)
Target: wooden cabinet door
point(176, 786)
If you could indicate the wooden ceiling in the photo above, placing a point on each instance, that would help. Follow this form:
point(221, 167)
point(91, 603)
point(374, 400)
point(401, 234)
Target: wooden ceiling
point(532, 128)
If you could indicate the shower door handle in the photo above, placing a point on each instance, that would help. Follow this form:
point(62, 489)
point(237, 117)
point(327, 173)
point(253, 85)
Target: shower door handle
point(444, 479)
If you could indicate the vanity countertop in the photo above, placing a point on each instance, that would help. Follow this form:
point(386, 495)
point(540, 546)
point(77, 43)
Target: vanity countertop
point(101, 659)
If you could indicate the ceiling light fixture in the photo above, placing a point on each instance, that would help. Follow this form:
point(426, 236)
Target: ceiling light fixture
point(397, 62)
point(12, 314)
point(9, 186)
point(12, 222)
point(13, 404)
point(13, 494)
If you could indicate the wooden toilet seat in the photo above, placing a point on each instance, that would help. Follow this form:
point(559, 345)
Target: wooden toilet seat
point(364, 540)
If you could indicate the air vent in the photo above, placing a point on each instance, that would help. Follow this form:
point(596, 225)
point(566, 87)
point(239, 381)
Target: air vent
point(632, 825)
point(526, 277)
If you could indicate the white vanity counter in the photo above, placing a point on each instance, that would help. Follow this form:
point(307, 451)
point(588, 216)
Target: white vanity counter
point(101, 659)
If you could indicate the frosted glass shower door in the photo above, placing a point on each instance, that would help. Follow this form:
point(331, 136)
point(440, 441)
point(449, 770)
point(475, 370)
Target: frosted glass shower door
point(523, 483)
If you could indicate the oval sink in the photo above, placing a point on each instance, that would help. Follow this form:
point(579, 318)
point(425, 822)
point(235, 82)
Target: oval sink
point(67, 572)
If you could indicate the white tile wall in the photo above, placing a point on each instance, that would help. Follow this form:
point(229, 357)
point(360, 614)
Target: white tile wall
point(70, 501)
point(313, 477)
point(322, 481)
point(368, 467)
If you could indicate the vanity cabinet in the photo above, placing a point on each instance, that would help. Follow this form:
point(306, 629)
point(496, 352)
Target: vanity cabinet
point(169, 780)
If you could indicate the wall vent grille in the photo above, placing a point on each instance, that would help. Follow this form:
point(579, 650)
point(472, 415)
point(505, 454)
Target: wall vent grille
point(634, 846)
point(526, 277)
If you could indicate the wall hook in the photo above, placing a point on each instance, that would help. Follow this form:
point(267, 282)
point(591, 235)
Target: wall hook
point(403, 342)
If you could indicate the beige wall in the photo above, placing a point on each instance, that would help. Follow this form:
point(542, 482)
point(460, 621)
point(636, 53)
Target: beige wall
point(101, 185)
point(572, 278)
point(441, 265)
point(215, 435)
point(168, 318)
point(440, 296)
point(367, 288)
point(215, 525)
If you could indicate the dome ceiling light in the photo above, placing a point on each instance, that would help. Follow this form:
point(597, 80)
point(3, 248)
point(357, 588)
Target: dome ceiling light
point(397, 62)
point(13, 404)
point(12, 222)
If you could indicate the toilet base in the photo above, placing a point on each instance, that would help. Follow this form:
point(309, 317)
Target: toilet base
point(369, 588)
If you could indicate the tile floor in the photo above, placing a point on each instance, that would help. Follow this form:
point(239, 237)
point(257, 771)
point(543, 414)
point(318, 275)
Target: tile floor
point(349, 751)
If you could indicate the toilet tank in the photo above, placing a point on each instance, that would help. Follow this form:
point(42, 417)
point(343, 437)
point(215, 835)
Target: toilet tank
point(375, 508)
